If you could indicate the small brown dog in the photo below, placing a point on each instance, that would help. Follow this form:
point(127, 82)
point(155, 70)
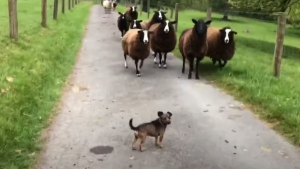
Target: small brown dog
point(155, 129)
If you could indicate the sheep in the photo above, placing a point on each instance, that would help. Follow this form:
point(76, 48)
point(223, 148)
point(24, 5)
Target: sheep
point(122, 24)
point(221, 45)
point(192, 44)
point(163, 40)
point(136, 24)
point(156, 18)
point(107, 5)
point(135, 43)
point(114, 5)
point(131, 14)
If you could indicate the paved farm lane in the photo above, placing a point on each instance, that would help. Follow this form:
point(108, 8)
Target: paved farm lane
point(209, 129)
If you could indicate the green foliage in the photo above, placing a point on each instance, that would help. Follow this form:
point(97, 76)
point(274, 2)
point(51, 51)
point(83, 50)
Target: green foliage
point(32, 74)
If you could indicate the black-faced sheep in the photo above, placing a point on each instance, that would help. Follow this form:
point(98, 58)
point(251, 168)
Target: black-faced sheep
point(131, 14)
point(192, 44)
point(163, 40)
point(135, 43)
point(107, 5)
point(221, 45)
point(136, 24)
point(122, 24)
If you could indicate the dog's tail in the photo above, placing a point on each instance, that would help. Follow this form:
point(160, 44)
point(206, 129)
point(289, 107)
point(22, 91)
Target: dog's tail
point(131, 126)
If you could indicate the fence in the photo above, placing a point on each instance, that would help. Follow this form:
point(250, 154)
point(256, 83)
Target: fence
point(13, 13)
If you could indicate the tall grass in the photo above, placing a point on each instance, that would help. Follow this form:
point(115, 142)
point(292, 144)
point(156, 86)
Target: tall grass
point(32, 74)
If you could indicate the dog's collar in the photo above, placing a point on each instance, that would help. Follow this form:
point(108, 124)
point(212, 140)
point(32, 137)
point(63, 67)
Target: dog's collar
point(161, 122)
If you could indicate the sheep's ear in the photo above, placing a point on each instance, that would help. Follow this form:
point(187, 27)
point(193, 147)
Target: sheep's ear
point(160, 113)
point(164, 12)
point(155, 11)
point(234, 32)
point(208, 22)
point(140, 21)
point(194, 20)
point(120, 13)
point(170, 114)
point(173, 22)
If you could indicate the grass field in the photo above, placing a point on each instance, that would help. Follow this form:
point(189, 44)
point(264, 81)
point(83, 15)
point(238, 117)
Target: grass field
point(32, 74)
point(249, 76)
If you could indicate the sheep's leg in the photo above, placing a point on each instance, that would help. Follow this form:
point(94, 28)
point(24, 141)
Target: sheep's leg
point(220, 63)
point(125, 57)
point(224, 64)
point(165, 60)
point(214, 61)
point(191, 66)
point(141, 64)
point(197, 68)
point(137, 69)
point(154, 54)
point(183, 65)
point(159, 65)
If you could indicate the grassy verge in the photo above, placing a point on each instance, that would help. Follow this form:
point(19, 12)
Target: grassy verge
point(32, 74)
point(249, 76)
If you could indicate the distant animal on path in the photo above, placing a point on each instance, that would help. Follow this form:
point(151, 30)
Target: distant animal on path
point(163, 40)
point(136, 24)
point(192, 44)
point(136, 44)
point(131, 14)
point(114, 5)
point(122, 24)
point(221, 45)
point(156, 128)
point(107, 6)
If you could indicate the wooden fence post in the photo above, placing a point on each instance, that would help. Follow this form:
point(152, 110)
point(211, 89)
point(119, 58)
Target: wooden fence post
point(279, 44)
point(176, 16)
point(73, 3)
point(148, 8)
point(208, 15)
point(172, 11)
point(13, 19)
point(63, 6)
point(55, 9)
point(141, 7)
point(158, 5)
point(69, 3)
point(44, 13)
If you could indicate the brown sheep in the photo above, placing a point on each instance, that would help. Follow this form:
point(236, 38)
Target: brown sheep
point(163, 40)
point(131, 14)
point(192, 44)
point(221, 45)
point(135, 43)
point(156, 18)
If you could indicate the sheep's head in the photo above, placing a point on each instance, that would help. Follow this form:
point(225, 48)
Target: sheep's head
point(159, 16)
point(227, 34)
point(144, 36)
point(133, 8)
point(201, 26)
point(167, 25)
point(136, 24)
point(122, 15)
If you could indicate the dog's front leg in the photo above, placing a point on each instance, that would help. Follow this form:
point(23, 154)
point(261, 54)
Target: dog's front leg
point(161, 137)
point(156, 141)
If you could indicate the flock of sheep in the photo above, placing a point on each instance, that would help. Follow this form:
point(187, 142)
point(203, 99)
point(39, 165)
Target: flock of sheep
point(159, 35)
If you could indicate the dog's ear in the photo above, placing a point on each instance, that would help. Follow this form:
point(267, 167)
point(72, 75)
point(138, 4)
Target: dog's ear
point(170, 114)
point(160, 113)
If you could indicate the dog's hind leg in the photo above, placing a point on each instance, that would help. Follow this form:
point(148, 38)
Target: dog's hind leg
point(143, 139)
point(134, 141)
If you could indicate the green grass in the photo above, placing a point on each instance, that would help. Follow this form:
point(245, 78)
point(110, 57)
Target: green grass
point(249, 76)
point(39, 64)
